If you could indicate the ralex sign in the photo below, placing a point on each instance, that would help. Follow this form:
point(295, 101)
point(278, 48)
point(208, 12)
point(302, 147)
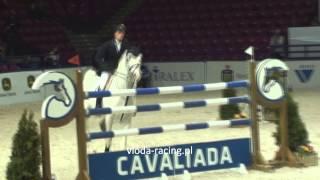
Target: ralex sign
point(123, 165)
point(170, 74)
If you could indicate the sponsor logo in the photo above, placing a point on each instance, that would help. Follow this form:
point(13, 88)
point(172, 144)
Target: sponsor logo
point(30, 80)
point(6, 84)
point(227, 74)
point(159, 75)
point(202, 157)
point(304, 73)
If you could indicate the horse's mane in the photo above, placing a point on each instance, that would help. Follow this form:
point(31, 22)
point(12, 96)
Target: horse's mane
point(135, 50)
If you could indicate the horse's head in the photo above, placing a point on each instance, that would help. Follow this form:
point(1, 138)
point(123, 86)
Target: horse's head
point(129, 67)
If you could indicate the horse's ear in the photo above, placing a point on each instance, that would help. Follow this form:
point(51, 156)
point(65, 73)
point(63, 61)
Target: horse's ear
point(140, 56)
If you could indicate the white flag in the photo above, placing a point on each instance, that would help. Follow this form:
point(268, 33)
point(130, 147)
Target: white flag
point(249, 50)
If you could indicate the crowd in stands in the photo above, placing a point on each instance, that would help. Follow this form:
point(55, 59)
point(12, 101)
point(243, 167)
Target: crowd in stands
point(33, 31)
point(36, 29)
point(28, 35)
point(213, 29)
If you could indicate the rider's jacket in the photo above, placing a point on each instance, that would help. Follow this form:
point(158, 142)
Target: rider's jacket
point(107, 56)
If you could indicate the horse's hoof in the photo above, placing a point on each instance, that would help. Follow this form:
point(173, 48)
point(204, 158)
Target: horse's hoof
point(102, 126)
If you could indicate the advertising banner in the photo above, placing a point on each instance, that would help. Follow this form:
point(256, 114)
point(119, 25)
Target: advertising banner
point(216, 70)
point(302, 74)
point(171, 160)
point(16, 87)
point(177, 73)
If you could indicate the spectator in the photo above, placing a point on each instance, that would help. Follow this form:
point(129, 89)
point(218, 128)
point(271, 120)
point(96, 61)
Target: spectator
point(11, 22)
point(2, 57)
point(53, 58)
point(3, 5)
point(277, 44)
point(3, 64)
point(37, 9)
point(11, 35)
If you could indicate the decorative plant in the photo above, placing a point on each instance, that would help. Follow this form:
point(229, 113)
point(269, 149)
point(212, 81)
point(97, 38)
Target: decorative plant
point(25, 156)
point(297, 133)
point(306, 150)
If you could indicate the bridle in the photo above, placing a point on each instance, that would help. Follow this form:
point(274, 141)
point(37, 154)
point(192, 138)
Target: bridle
point(131, 68)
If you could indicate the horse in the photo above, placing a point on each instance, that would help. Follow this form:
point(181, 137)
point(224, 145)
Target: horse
point(126, 76)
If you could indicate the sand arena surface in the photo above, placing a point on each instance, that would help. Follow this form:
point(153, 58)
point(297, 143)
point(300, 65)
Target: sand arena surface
point(64, 148)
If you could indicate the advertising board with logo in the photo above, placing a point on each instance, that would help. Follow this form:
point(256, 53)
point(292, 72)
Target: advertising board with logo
point(302, 74)
point(178, 73)
point(16, 87)
point(218, 70)
point(207, 156)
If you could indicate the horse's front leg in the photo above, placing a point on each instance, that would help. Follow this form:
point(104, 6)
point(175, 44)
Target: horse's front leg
point(106, 125)
point(126, 137)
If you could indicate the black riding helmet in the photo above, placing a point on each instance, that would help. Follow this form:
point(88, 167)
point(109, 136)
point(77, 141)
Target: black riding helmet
point(120, 28)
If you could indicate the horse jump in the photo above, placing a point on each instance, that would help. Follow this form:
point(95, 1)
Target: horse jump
point(96, 161)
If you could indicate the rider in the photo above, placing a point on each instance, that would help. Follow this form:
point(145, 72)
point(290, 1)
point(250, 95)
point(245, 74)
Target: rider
point(108, 55)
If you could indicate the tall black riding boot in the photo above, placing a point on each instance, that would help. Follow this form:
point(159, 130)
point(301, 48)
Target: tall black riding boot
point(99, 102)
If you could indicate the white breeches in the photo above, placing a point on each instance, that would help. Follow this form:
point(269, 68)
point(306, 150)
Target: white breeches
point(103, 80)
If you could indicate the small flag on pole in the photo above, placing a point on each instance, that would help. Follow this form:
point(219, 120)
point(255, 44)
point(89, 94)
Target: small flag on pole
point(249, 51)
point(74, 60)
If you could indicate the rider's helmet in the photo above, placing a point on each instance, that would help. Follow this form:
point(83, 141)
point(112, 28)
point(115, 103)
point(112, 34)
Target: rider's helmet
point(120, 28)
